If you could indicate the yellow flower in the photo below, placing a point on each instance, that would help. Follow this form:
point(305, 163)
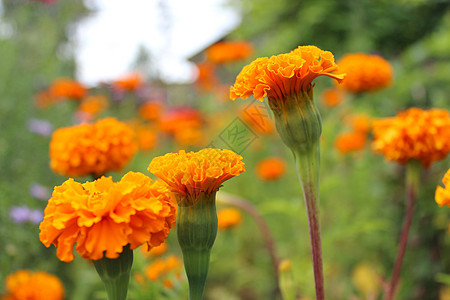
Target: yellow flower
point(366, 280)
point(92, 148)
point(418, 134)
point(279, 76)
point(27, 285)
point(228, 217)
point(203, 172)
point(442, 195)
point(364, 72)
point(102, 217)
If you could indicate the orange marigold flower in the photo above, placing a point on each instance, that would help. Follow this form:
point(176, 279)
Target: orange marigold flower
point(332, 97)
point(146, 136)
point(442, 195)
point(350, 142)
point(228, 217)
point(102, 217)
point(179, 118)
point(150, 111)
point(361, 123)
point(27, 285)
point(365, 72)
point(206, 79)
point(93, 105)
point(129, 82)
point(67, 88)
point(271, 168)
point(96, 148)
point(163, 267)
point(155, 251)
point(192, 173)
point(418, 134)
point(224, 52)
point(258, 118)
point(285, 74)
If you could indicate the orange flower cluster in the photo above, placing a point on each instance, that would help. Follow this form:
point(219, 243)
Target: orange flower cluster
point(332, 97)
point(93, 105)
point(146, 137)
point(285, 74)
point(27, 285)
point(228, 217)
point(224, 52)
point(96, 148)
point(184, 124)
point(206, 79)
point(164, 268)
point(193, 173)
point(418, 134)
point(271, 168)
point(356, 139)
point(102, 217)
point(442, 195)
point(67, 88)
point(365, 72)
point(150, 111)
point(258, 118)
point(155, 251)
point(129, 82)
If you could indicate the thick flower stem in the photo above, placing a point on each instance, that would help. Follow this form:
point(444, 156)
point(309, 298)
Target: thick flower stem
point(307, 162)
point(115, 274)
point(412, 181)
point(196, 231)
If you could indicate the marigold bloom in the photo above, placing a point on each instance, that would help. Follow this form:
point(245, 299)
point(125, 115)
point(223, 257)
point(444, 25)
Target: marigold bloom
point(224, 52)
point(193, 173)
point(365, 72)
point(442, 195)
point(155, 251)
point(96, 148)
point(258, 118)
point(184, 124)
point(102, 217)
point(332, 97)
point(418, 134)
point(146, 136)
point(67, 88)
point(271, 168)
point(228, 217)
point(279, 76)
point(150, 111)
point(129, 82)
point(27, 285)
point(93, 105)
point(162, 267)
point(350, 142)
point(206, 79)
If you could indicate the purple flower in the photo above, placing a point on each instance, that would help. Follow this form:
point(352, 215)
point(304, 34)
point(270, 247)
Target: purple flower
point(41, 127)
point(40, 192)
point(22, 214)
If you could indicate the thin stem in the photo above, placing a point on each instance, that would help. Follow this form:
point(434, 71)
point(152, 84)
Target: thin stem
point(412, 179)
point(307, 163)
point(253, 212)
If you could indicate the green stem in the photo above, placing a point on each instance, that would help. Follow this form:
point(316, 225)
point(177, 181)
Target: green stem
point(115, 274)
point(196, 231)
point(307, 163)
point(412, 182)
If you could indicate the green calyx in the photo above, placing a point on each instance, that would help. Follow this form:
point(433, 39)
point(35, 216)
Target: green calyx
point(297, 120)
point(115, 273)
point(196, 231)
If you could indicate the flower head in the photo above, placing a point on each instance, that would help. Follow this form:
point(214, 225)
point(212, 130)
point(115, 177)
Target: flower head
point(102, 217)
point(332, 97)
point(129, 82)
point(418, 134)
point(365, 72)
point(193, 173)
point(350, 142)
point(27, 285)
point(285, 74)
point(228, 217)
point(67, 88)
point(271, 168)
point(150, 110)
point(96, 148)
point(224, 52)
point(258, 118)
point(93, 105)
point(442, 195)
point(206, 79)
point(22, 214)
